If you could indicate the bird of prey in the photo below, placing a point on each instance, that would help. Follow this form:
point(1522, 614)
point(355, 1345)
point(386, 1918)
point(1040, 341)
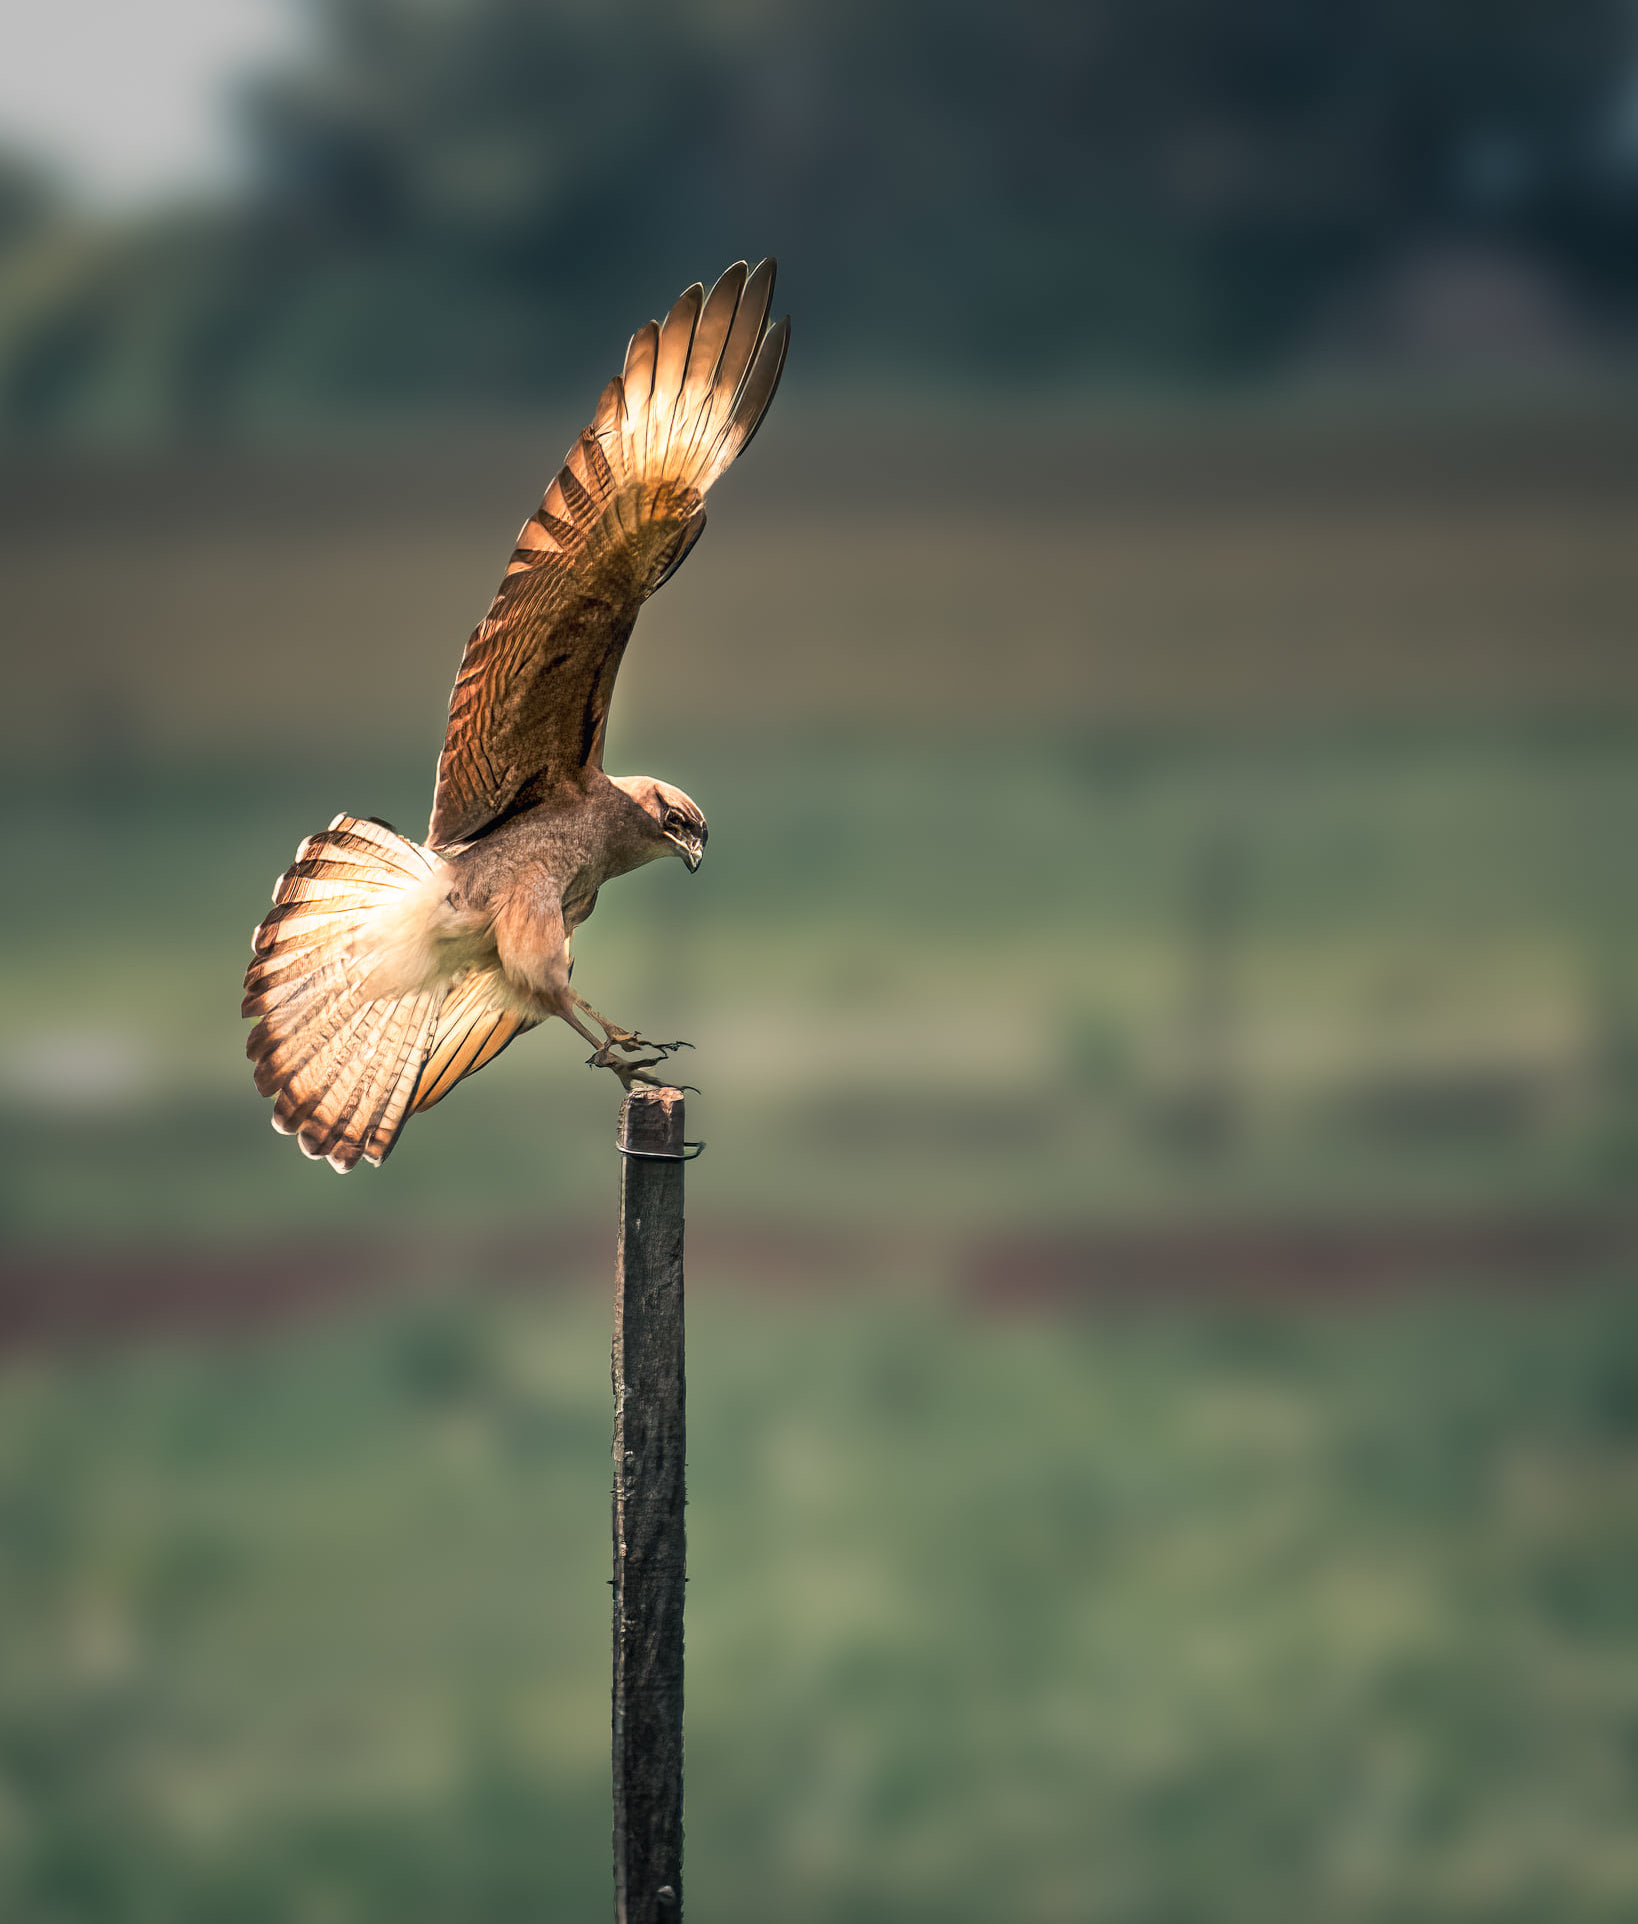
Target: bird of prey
point(389, 969)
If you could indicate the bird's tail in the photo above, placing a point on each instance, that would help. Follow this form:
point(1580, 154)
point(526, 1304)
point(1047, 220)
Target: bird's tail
point(341, 1062)
point(693, 392)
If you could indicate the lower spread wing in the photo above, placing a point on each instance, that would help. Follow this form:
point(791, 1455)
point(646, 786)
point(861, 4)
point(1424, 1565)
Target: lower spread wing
point(475, 1022)
point(531, 700)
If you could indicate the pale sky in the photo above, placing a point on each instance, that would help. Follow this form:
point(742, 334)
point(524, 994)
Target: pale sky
point(126, 97)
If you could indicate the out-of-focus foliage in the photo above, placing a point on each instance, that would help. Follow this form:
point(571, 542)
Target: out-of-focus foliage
point(27, 202)
point(452, 197)
point(1235, 1616)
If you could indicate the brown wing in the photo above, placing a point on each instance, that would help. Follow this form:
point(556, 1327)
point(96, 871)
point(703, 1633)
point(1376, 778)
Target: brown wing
point(531, 700)
point(477, 1019)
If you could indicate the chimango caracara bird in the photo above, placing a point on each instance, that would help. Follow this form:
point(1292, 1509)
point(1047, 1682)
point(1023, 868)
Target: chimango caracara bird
point(389, 969)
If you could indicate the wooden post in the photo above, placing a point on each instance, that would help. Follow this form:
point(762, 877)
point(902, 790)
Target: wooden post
point(649, 1493)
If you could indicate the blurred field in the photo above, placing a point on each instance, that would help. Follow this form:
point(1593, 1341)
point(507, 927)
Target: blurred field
point(1175, 860)
point(1228, 810)
point(1343, 558)
point(1227, 1616)
point(936, 993)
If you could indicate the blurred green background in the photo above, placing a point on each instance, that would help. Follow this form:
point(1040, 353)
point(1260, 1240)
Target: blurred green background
point(1164, 1366)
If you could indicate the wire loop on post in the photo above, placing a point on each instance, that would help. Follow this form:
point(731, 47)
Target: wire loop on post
point(690, 1152)
point(651, 1126)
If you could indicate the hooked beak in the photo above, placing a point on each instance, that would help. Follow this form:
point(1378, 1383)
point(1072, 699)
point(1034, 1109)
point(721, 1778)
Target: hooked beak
point(691, 848)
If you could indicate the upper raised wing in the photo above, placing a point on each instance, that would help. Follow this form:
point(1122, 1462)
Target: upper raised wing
point(531, 700)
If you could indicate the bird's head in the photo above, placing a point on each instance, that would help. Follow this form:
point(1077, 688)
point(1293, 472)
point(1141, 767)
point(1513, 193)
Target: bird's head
point(680, 824)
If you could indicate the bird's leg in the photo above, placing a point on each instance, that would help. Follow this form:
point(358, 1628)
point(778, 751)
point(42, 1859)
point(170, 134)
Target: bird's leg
point(614, 1037)
point(603, 1056)
point(534, 953)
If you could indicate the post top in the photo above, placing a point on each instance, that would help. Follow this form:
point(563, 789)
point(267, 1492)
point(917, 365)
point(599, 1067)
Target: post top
point(651, 1122)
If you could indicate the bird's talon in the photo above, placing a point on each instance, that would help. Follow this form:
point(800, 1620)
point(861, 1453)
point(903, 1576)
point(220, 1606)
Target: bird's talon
point(628, 1072)
point(631, 1042)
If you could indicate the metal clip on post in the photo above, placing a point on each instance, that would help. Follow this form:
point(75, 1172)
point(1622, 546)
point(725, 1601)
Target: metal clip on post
point(647, 1150)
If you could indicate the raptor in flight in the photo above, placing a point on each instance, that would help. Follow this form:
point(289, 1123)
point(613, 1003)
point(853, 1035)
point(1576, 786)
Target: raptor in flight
point(389, 969)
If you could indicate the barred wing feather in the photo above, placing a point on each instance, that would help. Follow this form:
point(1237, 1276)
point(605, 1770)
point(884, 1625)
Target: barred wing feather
point(531, 700)
point(476, 1022)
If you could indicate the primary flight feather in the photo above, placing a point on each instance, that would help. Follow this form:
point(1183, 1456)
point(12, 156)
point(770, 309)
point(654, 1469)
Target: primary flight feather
point(388, 969)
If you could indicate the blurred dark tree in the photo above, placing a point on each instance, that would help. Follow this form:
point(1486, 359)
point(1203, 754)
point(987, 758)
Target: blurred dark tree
point(28, 201)
point(454, 199)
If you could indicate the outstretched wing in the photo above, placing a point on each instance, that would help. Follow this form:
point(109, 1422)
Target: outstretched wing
point(476, 1020)
point(531, 700)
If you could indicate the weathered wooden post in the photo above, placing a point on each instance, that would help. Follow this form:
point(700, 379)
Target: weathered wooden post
point(650, 1552)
